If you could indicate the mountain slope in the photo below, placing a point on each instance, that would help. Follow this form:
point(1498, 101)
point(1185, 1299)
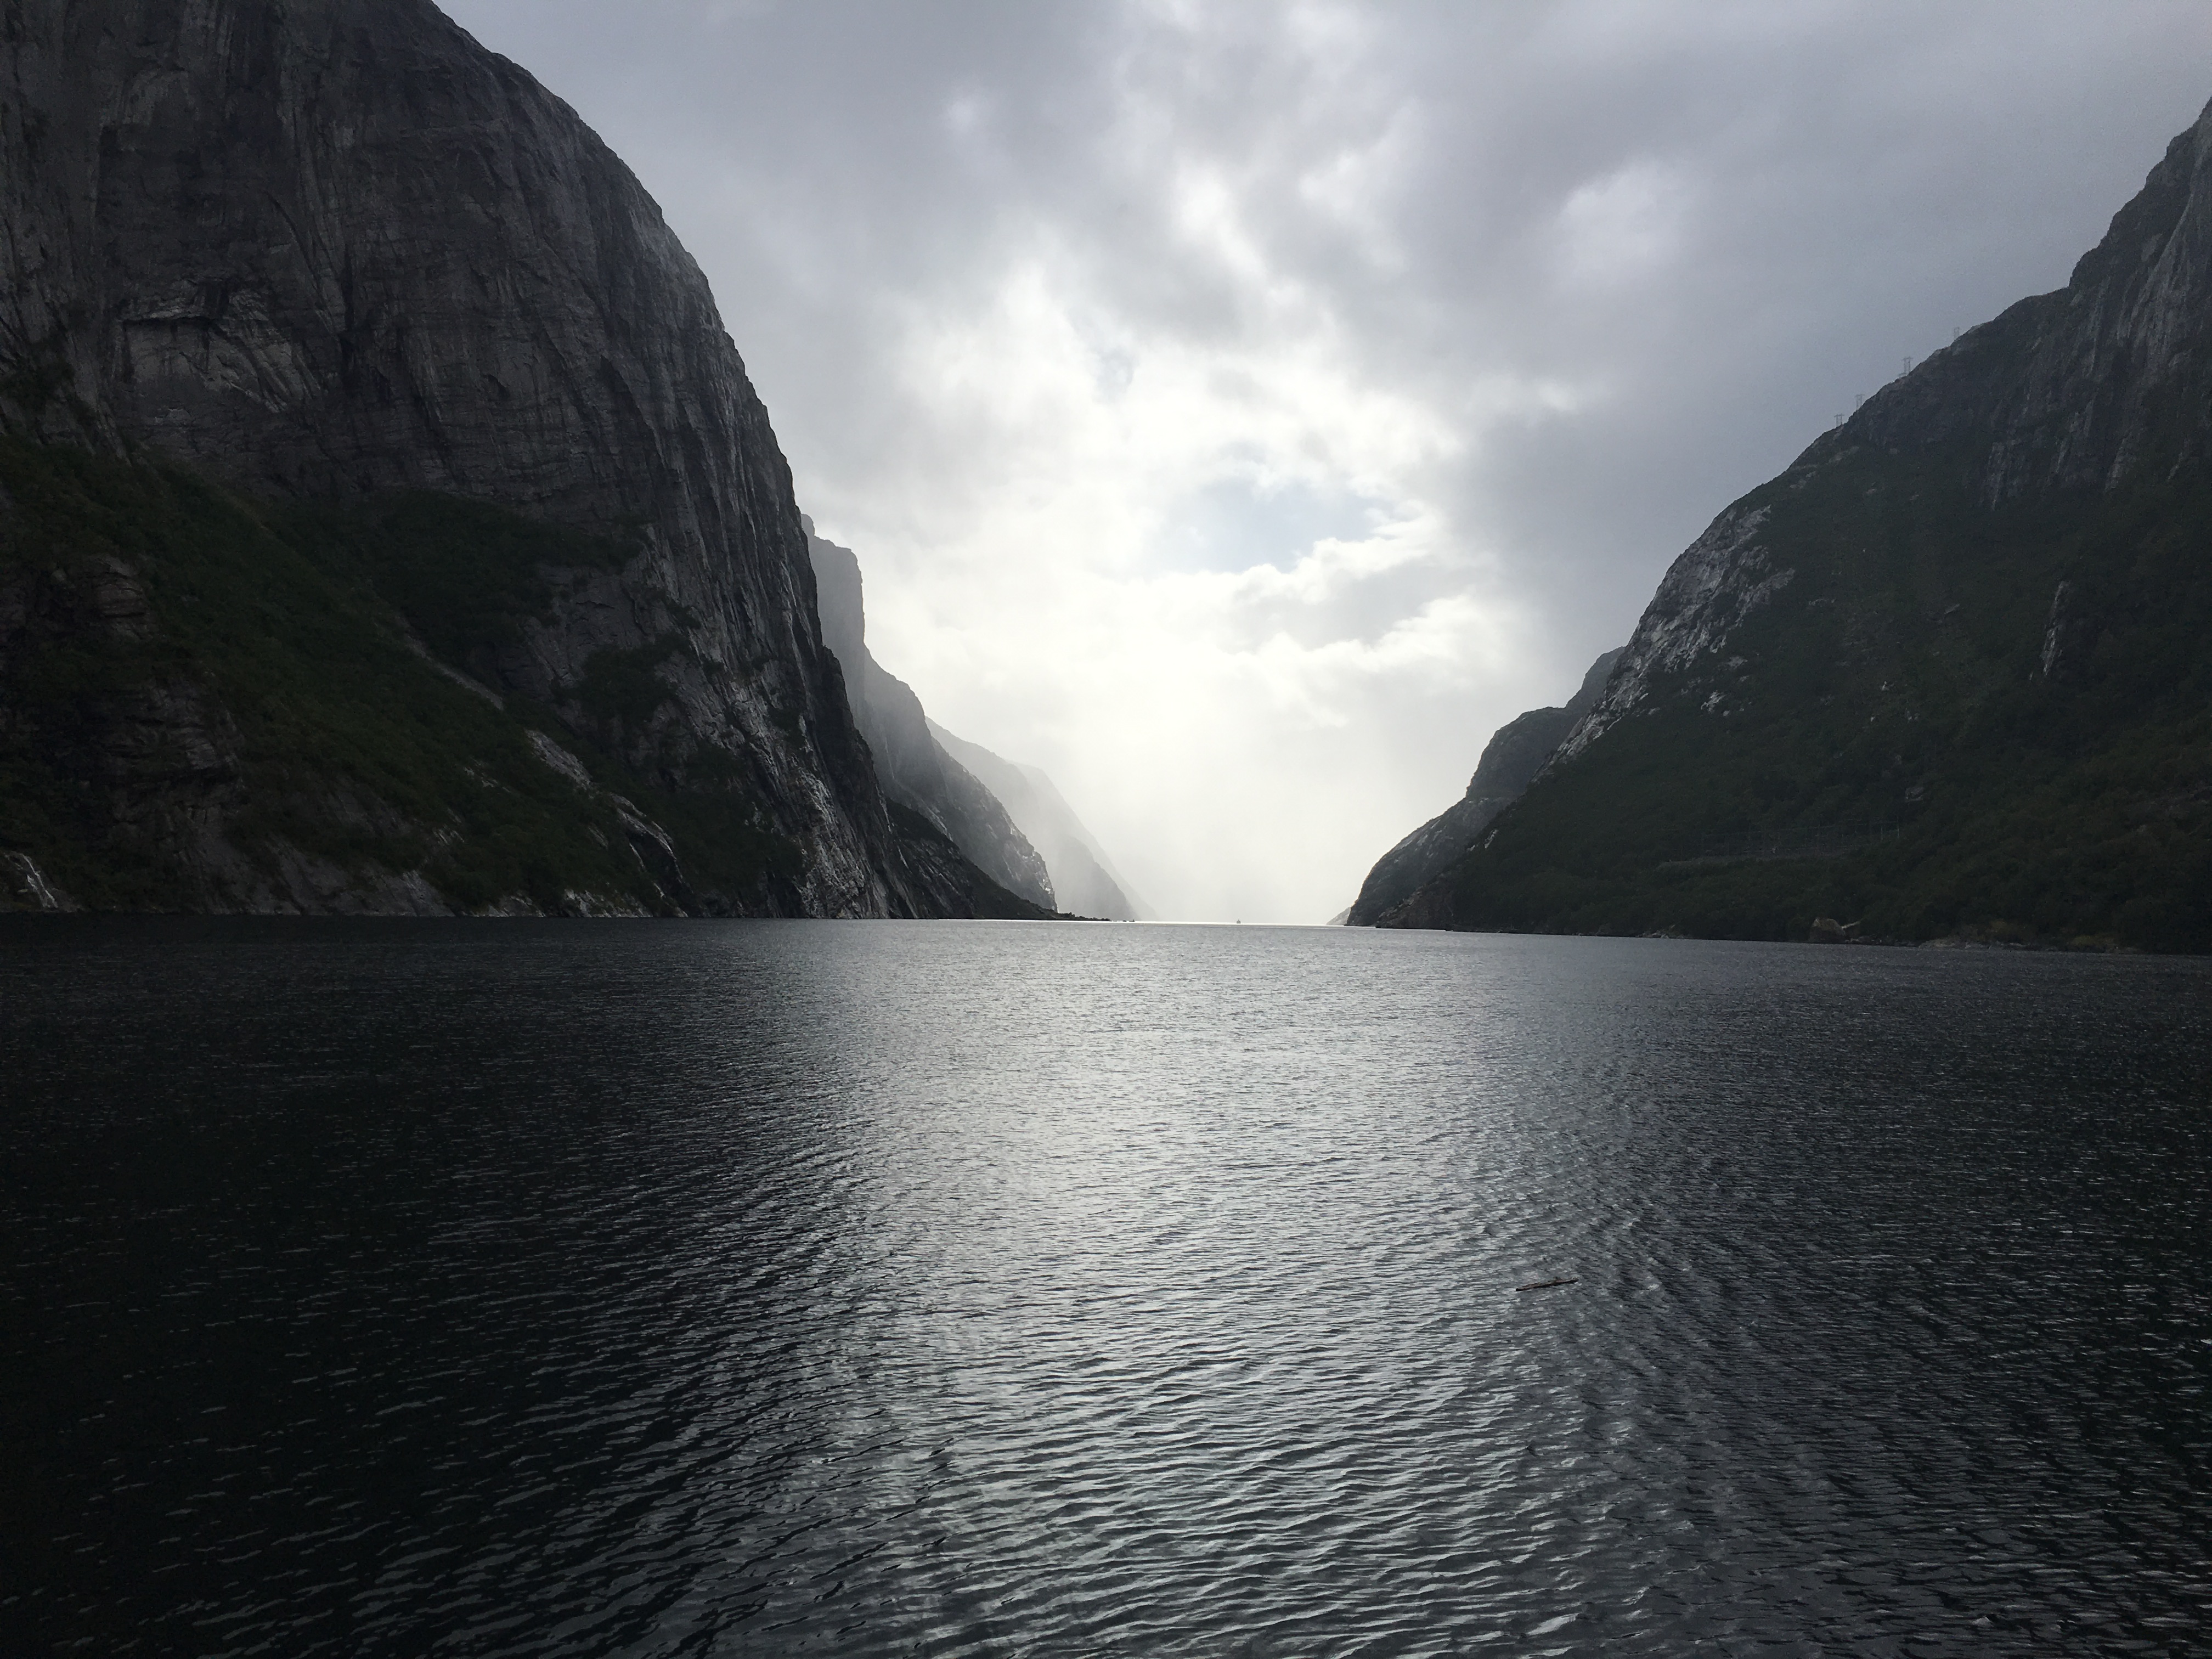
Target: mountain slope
point(1084, 877)
point(913, 767)
point(333, 250)
point(1947, 674)
point(1516, 752)
point(210, 703)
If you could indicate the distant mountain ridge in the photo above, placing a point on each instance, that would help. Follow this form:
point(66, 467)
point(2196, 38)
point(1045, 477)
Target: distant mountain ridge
point(1947, 675)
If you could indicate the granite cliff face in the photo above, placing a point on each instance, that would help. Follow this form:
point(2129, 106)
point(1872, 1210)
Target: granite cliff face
point(332, 251)
point(1083, 876)
point(913, 767)
point(2068, 392)
point(1947, 673)
point(1516, 752)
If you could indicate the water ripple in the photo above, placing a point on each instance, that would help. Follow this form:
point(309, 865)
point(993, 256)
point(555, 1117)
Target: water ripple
point(993, 1290)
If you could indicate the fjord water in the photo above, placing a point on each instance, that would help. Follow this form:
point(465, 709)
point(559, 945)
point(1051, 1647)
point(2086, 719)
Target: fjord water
point(1006, 1289)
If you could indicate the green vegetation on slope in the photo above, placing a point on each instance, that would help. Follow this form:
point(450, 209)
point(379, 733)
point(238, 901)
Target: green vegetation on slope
point(175, 660)
point(1898, 679)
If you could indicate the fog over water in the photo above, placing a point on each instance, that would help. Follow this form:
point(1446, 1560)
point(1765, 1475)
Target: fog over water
point(1240, 411)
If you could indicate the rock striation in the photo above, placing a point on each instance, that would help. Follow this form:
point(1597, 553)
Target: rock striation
point(335, 252)
point(1945, 675)
point(912, 765)
point(1516, 752)
point(2064, 391)
point(1083, 876)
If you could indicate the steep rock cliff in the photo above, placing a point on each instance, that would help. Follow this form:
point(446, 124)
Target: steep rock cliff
point(1947, 673)
point(913, 767)
point(331, 250)
point(1516, 752)
point(1081, 875)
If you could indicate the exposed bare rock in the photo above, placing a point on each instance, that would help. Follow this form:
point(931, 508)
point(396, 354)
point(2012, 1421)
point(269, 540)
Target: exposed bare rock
point(1083, 876)
point(24, 886)
point(1948, 667)
point(2069, 636)
point(2069, 389)
point(1722, 578)
point(1515, 753)
point(912, 765)
point(2062, 391)
point(327, 249)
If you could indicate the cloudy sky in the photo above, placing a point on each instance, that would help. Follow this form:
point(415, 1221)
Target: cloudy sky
point(1239, 409)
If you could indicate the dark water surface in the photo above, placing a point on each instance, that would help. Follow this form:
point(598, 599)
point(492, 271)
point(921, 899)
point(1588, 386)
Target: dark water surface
point(1003, 1289)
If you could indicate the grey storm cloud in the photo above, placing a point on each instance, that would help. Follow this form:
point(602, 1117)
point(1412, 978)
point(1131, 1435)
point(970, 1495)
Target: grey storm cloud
point(1239, 409)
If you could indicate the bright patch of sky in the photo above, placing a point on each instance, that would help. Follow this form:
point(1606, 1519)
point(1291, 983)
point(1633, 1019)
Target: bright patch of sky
point(1238, 525)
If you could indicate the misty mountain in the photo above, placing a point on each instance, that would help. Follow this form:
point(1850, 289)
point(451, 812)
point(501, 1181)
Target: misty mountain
point(1516, 752)
point(1947, 675)
point(387, 520)
point(913, 767)
point(1081, 875)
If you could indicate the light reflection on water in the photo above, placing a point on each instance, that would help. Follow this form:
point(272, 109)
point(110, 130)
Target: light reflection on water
point(997, 1289)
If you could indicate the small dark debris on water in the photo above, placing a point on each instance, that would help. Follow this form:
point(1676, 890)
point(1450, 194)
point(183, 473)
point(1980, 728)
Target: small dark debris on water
point(1548, 1284)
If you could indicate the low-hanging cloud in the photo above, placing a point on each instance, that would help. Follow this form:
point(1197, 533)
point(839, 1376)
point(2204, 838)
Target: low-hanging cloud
point(1239, 410)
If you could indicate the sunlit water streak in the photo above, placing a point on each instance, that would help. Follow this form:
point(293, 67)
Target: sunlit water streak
point(1003, 1289)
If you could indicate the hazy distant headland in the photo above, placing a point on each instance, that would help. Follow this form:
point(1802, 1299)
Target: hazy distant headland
point(1008, 820)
